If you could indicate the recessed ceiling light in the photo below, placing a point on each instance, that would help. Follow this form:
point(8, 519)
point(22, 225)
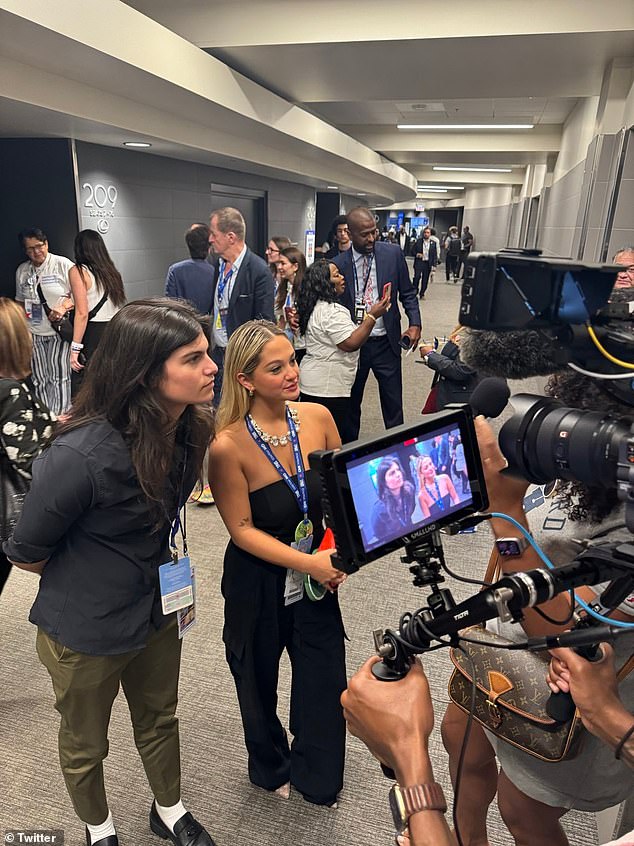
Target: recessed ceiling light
point(443, 187)
point(444, 127)
point(136, 144)
point(477, 169)
point(332, 187)
point(361, 195)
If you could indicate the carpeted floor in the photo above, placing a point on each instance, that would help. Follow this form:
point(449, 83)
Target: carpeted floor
point(216, 787)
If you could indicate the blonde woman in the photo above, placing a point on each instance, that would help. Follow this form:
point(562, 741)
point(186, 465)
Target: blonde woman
point(436, 491)
point(270, 501)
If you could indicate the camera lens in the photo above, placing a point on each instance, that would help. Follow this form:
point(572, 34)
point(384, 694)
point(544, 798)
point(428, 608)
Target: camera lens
point(544, 440)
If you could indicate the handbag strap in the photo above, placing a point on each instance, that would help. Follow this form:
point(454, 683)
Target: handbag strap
point(626, 669)
point(47, 308)
point(95, 309)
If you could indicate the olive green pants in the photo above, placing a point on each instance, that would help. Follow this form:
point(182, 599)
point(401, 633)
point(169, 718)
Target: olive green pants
point(85, 688)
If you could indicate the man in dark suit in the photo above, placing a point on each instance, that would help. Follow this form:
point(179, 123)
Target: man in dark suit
point(367, 268)
point(243, 287)
point(425, 260)
point(404, 241)
point(193, 279)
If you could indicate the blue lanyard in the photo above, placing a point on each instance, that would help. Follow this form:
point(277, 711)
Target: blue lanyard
point(299, 490)
point(223, 281)
point(356, 277)
point(438, 502)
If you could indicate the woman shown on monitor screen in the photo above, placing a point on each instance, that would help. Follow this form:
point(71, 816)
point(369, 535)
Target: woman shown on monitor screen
point(392, 512)
point(436, 491)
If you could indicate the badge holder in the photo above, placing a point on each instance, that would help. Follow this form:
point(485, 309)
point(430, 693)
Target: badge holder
point(177, 583)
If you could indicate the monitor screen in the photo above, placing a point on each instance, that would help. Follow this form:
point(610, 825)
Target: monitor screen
point(407, 486)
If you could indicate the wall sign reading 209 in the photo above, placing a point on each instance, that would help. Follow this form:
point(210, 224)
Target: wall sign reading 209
point(100, 200)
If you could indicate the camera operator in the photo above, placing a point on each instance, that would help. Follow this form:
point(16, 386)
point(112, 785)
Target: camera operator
point(533, 795)
point(394, 721)
point(593, 688)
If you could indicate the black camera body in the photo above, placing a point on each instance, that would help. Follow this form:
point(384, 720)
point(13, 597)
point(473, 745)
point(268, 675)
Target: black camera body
point(519, 289)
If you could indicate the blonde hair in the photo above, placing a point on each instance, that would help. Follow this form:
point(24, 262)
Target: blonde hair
point(15, 341)
point(243, 356)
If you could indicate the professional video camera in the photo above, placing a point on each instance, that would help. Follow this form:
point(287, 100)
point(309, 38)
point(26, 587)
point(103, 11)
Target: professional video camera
point(567, 311)
point(352, 499)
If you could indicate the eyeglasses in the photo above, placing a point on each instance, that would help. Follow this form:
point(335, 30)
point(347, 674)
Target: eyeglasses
point(271, 250)
point(36, 248)
point(629, 270)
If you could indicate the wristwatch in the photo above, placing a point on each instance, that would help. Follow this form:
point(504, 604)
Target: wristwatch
point(405, 801)
point(511, 547)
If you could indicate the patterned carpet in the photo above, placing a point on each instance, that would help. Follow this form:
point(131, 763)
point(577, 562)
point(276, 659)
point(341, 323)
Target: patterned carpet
point(216, 787)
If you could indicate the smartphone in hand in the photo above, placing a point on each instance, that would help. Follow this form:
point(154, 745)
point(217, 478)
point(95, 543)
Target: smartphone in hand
point(387, 290)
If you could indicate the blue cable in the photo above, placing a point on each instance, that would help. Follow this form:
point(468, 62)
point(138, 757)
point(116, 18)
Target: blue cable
point(551, 566)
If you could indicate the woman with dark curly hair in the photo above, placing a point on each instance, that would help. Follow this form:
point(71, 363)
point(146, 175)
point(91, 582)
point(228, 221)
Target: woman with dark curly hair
point(392, 512)
point(333, 340)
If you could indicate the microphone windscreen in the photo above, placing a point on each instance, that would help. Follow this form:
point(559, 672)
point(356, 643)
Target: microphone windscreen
point(517, 354)
point(490, 397)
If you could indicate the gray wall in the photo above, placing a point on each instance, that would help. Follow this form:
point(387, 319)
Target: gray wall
point(560, 228)
point(159, 198)
point(489, 226)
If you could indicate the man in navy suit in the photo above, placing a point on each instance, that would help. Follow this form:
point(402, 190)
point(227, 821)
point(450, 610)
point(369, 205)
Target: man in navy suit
point(367, 268)
point(193, 279)
point(425, 260)
point(243, 287)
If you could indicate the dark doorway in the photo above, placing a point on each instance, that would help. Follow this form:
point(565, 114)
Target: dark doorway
point(442, 219)
point(252, 207)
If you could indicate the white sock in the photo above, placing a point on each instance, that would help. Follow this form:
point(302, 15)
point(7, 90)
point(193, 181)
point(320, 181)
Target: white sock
point(98, 832)
point(172, 814)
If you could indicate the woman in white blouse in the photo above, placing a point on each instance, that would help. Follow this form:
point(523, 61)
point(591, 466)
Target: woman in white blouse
point(333, 340)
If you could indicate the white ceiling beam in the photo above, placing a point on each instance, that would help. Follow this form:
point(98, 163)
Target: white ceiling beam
point(545, 138)
point(115, 67)
point(427, 176)
point(278, 22)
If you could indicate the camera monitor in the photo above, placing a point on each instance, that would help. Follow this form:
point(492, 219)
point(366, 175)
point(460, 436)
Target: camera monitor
point(391, 491)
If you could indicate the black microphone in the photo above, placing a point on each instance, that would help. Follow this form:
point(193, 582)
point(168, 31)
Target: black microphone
point(490, 397)
point(517, 354)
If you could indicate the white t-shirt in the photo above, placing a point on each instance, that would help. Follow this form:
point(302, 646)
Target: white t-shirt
point(327, 371)
point(52, 276)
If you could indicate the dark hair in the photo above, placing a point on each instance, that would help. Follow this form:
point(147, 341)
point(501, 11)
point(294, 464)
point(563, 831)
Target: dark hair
point(296, 257)
point(586, 502)
point(197, 240)
point(316, 285)
point(384, 496)
point(121, 386)
point(91, 254)
point(34, 232)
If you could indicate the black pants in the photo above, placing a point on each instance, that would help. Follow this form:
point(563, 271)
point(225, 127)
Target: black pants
point(258, 627)
point(5, 568)
point(461, 262)
point(378, 356)
point(425, 273)
point(339, 407)
point(451, 265)
point(92, 337)
point(218, 357)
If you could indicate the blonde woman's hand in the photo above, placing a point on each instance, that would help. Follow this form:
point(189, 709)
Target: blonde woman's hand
point(320, 568)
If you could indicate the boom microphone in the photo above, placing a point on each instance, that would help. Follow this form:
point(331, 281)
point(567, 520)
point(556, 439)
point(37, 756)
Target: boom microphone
point(510, 355)
point(490, 397)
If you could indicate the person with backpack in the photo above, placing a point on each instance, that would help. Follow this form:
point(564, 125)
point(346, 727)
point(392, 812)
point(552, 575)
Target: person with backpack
point(453, 245)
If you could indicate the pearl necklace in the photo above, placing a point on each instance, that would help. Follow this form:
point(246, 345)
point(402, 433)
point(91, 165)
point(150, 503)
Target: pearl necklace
point(278, 440)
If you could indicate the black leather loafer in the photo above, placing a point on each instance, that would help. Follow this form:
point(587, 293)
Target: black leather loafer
point(110, 840)
point(187, 831)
